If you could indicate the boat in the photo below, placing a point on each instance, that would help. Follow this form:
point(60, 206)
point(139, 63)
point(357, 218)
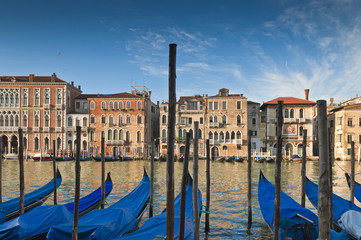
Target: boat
point(155, 227)
point(297, 222)
point(220, 159)
point(41, 157)
point(10, 208)
point(83, 159)
point(162, 159)
point(121, 217)
point(11, 156)
point(181, 159)
point(63, 159)
point(239, 159)
point(357, 192)
point(295, 158)
point(269, 160)
point(35, 224)
point(107, 159)
point(230, 159)
point(260, 159)
point(125, 158)
point(341, 209)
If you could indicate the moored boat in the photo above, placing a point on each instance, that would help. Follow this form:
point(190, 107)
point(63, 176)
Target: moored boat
point(239, 159)
point(64, 158)
point(41, 157)
point(230, 159)
point(11, 156)
point(107, 159)
point(357, 192)
point(220, 159)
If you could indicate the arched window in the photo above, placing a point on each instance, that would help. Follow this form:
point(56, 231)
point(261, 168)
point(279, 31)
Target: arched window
point(6, 98)
point(164, 119)
point(184, 133)
point(110, 134)
point(17, 100)
point(216, 136)
point(12, 99)
point(1, 120)
point(227, 136)
point(139, 136)
point(128, 105)
point(120, 119)
point(92, 105)
point(215, 119)
point(127, 136)
point(58, 121)
point(239, 119)
point(233, 136)
point(221, 137)
point(180, 133)
point(139, 119)
point(301, 131)
point(85, 122)
point(286, 113)
point(58, 99)
point(120, 105)
point(111, 105)
point(25, 99)
point(210, 119)
point(139, 105)
point(2, 98)
point(110, 119)
point(239, 135)
point(200, 134)
point(46, 143)
point(128, 119)
point(210, 135)
point(36, 121)
point(46, 121)
point(191, 133)
point(225, 148)
point(92, 136)
point(70, 122)
point(120, 134)
point(77, 122)
point(301, 113)
point(6, 120)
point(116, 105)
point(47, 98)
point(36, 143)
point(224, 119)
point(115, 134)
point(37, 99)
point(103, 119)
point(292, 113)
point(164, 133)
point(25, 121)
point(11, 121)
point(16, 121)
point(103, 105)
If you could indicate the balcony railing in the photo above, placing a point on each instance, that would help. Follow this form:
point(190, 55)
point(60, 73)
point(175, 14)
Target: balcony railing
point(214, 124)
point(339, 144)
point(59, 106)
point(164, 139)
point(47, 106)
point(338, 127)
point(46, 129)
point(59, 129)
point(115, 142)
point(9, 129)
point(36, 129)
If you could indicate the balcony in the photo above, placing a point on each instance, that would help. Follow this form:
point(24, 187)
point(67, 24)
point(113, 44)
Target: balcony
point(25, 129)
point(9, 129)
point(214, 124)
point(59, 129)
point(164, 139)
point(46, 129)
point(59, 106)
point(338, 127)
point(36, 129)
point(239, 141)
point(214, 142)
point(181, 139)
point(115, 142)
point(339, 144)
point(47, 106)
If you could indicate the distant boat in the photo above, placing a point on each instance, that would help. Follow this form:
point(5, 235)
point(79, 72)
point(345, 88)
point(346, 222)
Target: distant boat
point(126, 158)
point(220, 159)
point(107, 159)
point(11, 156)
point(269, 160)
point(64, 159)
point(230, 159)
point(43, 157)
point(296, 158)
point(259, 159)
point(239, 159)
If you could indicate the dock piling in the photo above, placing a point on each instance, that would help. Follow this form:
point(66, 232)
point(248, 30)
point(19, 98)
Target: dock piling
point(77, 185)
point(21, 172)
point(195, 181)
point(1, 169)
point(303, 170)
point(249, 177)
point(103, 174)
point(352, 184)
point(208, 176)
point(151, 200)
point(54, 173)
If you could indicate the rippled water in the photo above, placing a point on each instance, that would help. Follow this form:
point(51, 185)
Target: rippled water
point(228, 219)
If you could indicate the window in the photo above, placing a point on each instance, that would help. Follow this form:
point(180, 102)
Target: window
point(339, 138)
point(210, 135)
point(111, 105)
point(331, 123)
point(127, 136)
point(25, 121)
point(301, 113)
point(339, 121)
point(191, 105)
point(239, 104)
point(215, 119)
point(128, 119)
point(77, 122)
point(120, 105)
point(200, 133)
point(210, 119)
point(77, 105)
point(359, 139)
point(189, 120)
point(92, 136)
point(115, 105)
point(139, 119)
point(210, 105)
point(139, 137)
point(301, 131)
point(224, 119)
point(201, 120)
point(103, 105)
point(200, 106)
point(292, 113)
point(37, 100)
point(348, 151)
point(58, 121)
point(92, 105)
point(110, 119)
point(349, 122)
point(139, 105)
point(239, 120)
point(92, 119)
point(164, 108)
point(215, 105)
point(164, 133)
point(47, 97)
point(85, 122)
point(286, 113)
point(46, 121)
point(349, 139)
point(103, 119)
point(85, 105)
point(254, 121)
point(36, 121)
point(359, 122)
point(183, 120)
point(164, 119)
point(120, 119)
point(115, 134)
point(128, 105)
point(224, 105)
point(110, 134)
point(58, 98)
point(182, 107)
point(36, 143)
point(25, 97)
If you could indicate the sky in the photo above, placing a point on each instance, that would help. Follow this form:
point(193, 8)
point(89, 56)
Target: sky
point(260, 48)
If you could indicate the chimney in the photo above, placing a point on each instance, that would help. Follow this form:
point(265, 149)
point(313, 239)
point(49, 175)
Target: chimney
point(331, 101)
point(72, 83)
point(31, 77)
point(307, 92)
point(53, 77)
point(79, 87)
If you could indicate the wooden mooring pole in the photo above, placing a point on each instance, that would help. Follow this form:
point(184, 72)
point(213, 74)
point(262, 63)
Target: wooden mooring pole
point(195, 181)
point(54, 174)
point(1, 169)
point(208, 179)
point(77, 185)
point(170, 145)
point(352, 185)
point(21, 171)
point(102, 202)
point(303, 170)
point(151, 200)
point(330, 163)
point(277, 201)
point(249, 177)
point(323, 183)
point(182, 207)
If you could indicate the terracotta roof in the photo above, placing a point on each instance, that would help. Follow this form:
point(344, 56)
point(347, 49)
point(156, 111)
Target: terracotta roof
point(187, 98)
point(229, 95)
point(115, 95)
point(86, 96)
point(250, 102)
point(347, 107)
point(290, 100)
point(42, 79)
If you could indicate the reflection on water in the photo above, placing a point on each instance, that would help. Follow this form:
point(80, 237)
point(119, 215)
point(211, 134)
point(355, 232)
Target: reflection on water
point(228, 187)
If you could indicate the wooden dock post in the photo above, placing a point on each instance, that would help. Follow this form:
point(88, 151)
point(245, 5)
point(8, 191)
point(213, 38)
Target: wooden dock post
point(330, 163)
point(170, 145)
point(151, 200)
point(303, 171)
point(54, 173)
point(277, 201)
point(102, 201)
point(182, 207)
point(323, 183)
point(249, 177)
point(208, 179)
point(21, 172)
point(195, 181)
point(1, 169)
point(352, 185)
point(77, 185)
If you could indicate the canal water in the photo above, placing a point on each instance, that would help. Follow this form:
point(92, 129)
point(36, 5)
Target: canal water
point(228, 218)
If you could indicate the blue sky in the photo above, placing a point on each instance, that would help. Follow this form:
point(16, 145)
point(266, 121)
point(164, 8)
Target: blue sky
point(263, 49)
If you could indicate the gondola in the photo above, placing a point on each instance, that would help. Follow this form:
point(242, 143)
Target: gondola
point(220, 159)
point(35, 224)
point(269, 160)
point(64, 159)
point(296, 222)
point(181, 159)
point(357, 187)
point(126, 158)
point(10, 209)
point(83, 159)
point(239, 159)
point(230, 159)
point(162, 159)
point(341, 208)
point(107, 159)
point(119, 218)
point(155, 227)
